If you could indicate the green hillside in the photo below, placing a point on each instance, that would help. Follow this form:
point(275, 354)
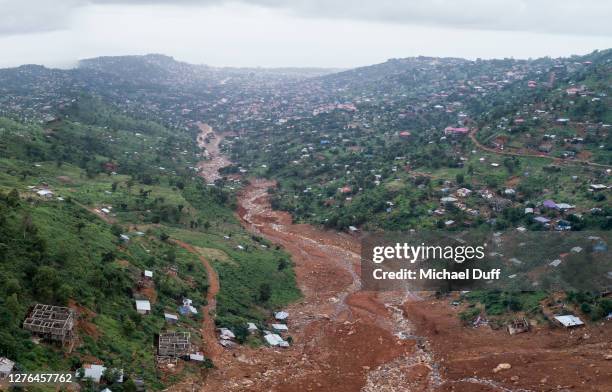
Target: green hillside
point(64, 250)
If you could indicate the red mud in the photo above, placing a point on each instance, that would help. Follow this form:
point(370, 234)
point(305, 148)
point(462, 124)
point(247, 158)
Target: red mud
point(345, 339)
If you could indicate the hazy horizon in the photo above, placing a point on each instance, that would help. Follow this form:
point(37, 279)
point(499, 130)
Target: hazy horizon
point(316, 33)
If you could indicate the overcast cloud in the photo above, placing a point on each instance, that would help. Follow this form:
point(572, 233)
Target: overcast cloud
point(299, 32)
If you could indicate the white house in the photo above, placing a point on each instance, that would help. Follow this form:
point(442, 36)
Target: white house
point(45, 193)
point(275, 340)
point(569, 321)
point(226, 334)
point(281, 316)
point(143, 306)
point(6, 367)
point(280, 327)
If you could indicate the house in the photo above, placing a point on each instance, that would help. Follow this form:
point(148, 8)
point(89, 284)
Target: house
point(545, 147)
point(404, 134)
point(463, 192)
point(528, 210)
point(148, 274)
point(95, 372)
point(251, 327)
point(226, 334)
point(456, 131)
point(280, 327)
point(563, 225)
point(187, 308)
point(353, 229)
point(281, 316)
point(509, 192)
point(45, 193)
point(140, 385)
point(143, 306)
point(124, 237)
point(448, 200)
point(550, 204)
point(564, 206)
point(6, 367)
point(555, 263)
point(275, 340)
point(171, 318)
point(197, 357)
point(569, 321)
point(597, 187)
point(542, 220)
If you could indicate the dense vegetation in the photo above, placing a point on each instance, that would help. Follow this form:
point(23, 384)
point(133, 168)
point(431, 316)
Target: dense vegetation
point(63, 250)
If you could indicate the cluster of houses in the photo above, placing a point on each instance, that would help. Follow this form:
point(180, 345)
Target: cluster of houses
point(44, 192)
point(274, 336)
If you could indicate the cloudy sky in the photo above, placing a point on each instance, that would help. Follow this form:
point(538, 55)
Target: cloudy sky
point(324, 33)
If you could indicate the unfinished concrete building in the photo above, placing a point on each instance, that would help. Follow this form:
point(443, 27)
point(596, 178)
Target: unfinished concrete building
point(51, 322)
point(517, 326)
point(174, 344)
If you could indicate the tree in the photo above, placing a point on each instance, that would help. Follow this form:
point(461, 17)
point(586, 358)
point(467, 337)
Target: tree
point(45, 282)
point(12, 198)
point(12, 305)
point(116, 230)
point(265, 292)
point(460, 178)
point(282, 264)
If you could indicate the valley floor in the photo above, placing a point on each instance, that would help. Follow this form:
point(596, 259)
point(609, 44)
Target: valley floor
point(345, 339)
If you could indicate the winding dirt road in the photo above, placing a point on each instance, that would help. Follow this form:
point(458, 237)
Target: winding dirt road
point(479, 145)
point(209, 339)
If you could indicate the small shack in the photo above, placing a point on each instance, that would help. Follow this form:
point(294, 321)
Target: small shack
point(280, 327)
point(171, 318)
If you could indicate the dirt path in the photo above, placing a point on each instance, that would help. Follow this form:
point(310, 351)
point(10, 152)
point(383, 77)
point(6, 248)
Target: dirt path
point(209, 337)
point(479, 145)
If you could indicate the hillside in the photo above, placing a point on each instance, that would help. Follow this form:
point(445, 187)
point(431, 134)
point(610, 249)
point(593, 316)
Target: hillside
point(103, 176)
point(121, 191)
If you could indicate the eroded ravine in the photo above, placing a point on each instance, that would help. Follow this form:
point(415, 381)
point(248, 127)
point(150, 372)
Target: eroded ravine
point(340, 333)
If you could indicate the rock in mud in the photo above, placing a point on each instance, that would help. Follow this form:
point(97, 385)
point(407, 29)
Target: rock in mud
point(502, 366)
